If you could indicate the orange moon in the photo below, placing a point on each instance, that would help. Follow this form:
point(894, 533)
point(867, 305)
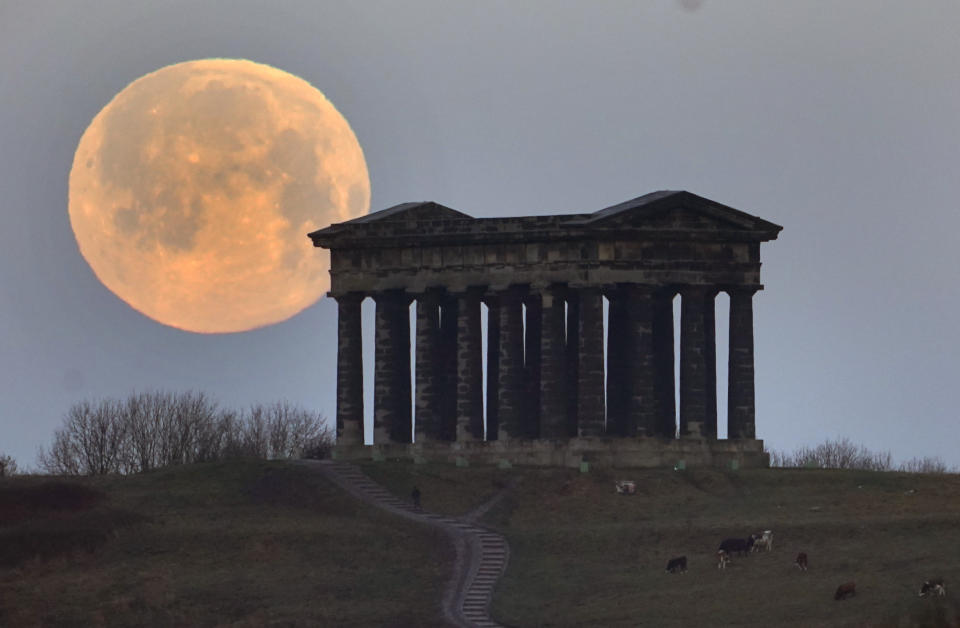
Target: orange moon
point(192, 193)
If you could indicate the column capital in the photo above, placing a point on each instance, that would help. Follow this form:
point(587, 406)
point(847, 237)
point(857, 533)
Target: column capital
point(742, 290)
point(543, 287)
point(469, 291)
point(518, 290)
point(584, 285)
point(431, 292)
point(696, 290)
point(643, 289)
point(347, 297)
point(394, 295)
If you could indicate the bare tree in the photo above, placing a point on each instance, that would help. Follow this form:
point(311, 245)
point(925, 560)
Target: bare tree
point(843, 454)
point(140, 414)
point(62, 457)
point(255, 430)
point(8, 466)
point(926, 464)
point(91, 441)
point(293, 429)
point(153, 429)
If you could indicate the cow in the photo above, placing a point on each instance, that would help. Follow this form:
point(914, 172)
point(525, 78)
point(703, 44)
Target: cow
point(678, 564)
point(801, 561)
point(845, 590)
point(625, 487)
point(933, 586)
point(762, 541)
point(722, 559)
point(740, 546)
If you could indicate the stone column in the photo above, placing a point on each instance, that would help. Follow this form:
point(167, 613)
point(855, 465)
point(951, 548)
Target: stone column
point(469, 367)
point(448, 368)
point(642, 404)
point(710, 362)
point(493, 367)
point(590, 393)
point(740, 377)
point(428, 364)
point(510, 388)
point(693, 365)
point(531, 367)
point(572, 361)
point(391, 376)
point(618, 364)
point(349, 370)
point(553, 407)
point(664, 374)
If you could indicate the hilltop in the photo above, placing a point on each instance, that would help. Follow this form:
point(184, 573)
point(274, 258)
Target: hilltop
point(253, 543)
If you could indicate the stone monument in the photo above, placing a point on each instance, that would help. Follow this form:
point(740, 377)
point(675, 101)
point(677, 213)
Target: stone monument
point(555, 395)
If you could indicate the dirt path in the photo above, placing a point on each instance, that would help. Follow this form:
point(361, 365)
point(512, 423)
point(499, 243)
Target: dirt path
point(481, 554)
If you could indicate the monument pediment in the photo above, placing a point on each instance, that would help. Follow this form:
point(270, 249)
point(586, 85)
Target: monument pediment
point(422, 210)
point(677, 210)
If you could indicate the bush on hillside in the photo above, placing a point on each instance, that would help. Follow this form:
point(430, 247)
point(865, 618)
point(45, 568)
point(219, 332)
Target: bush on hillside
point(149, 430)
point(844, 454)
point(926, 464)
point(8, 466)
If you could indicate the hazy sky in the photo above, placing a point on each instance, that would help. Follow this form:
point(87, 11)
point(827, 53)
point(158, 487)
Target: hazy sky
point(838, 120)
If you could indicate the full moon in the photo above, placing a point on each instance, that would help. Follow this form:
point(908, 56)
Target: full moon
point(192, 191)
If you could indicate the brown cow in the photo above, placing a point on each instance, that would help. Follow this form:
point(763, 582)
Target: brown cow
point(801, 561)
point(845, 590)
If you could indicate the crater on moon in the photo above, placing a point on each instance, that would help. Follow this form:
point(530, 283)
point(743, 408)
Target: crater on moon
point(192, 192)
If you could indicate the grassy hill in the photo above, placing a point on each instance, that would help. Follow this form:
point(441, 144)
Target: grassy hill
point(257, 543)
point(224, 544)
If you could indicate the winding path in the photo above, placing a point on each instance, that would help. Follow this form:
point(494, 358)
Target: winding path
point(481, 554)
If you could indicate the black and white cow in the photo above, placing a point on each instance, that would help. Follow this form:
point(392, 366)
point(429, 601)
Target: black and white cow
point(933, 586)
point(722, 559)
point(762, 541)
point(801, 561)
point(740, 546)
point(678, 564)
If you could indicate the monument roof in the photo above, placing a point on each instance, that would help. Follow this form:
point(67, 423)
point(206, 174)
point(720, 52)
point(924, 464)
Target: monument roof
point(655, 203)
point(418, 210)
point(661, 214)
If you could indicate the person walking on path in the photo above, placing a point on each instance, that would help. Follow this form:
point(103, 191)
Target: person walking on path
point(415, 495)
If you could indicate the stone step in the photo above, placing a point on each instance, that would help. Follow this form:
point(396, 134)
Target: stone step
point(491, 548)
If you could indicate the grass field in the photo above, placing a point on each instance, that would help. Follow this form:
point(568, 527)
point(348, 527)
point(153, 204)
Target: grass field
point(227, 544)
point(582, 555)
point(257, 543)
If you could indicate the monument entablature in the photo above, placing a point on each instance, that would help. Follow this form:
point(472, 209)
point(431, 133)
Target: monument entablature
point(544, 280)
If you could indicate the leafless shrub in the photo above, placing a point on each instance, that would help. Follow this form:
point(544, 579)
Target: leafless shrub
point(843, 454)
point(292, 430)
point(149, 430)
point(91, 441)
point(837, 454)
point(926, 464)
point(8, 466)
point(255, 432)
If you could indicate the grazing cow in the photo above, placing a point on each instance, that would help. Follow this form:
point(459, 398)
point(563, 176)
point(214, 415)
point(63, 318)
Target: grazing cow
point(762, 541)
point(801, 561)
point(933, 586)
point(740, 546)
point(845, 590)
point(678, 564)
point(722, 559)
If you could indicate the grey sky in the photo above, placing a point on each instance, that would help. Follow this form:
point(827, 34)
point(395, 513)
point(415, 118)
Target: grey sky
point(838, 120)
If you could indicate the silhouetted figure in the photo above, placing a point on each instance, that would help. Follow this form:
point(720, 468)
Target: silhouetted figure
point(416, 497)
